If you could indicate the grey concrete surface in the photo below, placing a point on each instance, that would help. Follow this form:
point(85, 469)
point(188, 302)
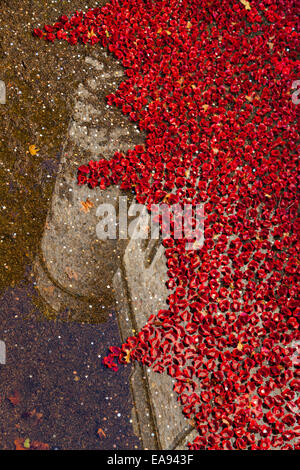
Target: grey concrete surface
point(75, 269)
point(79, 274)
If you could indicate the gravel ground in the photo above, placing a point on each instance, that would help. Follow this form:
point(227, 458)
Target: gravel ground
point(53, 387)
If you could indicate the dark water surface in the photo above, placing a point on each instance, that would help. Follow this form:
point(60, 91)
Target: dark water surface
point(64, 394)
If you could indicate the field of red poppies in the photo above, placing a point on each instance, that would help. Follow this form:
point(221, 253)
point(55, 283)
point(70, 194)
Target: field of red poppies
point(211, 83)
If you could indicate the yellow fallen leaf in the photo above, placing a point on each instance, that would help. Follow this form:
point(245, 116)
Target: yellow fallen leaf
point(33, 149)
point(127, 357)
point(86, 205)
point(205, 107)
point(189, 25)
point(167, 197)
point(91, 34)
point(246, 4)
point(27, 443)
point(240, 346)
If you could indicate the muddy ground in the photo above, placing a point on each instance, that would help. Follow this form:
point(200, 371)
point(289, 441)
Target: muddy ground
point(53, 388)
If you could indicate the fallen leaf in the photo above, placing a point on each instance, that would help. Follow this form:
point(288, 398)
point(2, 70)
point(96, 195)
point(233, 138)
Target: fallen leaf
point(270, 43)
point(27, 443)
point(19, 444)
point(240, 346)
point(71, 274)
point(86, 205)
point(33, 150)
point(158, 323)
point(250, 97)
point(49, 289)
point(246, 4)
point(36, 445)
point(189, 25)
point(205, 107)
point(91, 34)
point(167, 197)
point(15, 398)
point(101, 433)
point(37, 415)
point(127, 357)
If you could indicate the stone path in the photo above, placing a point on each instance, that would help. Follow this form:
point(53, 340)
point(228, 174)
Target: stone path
point(79, 275)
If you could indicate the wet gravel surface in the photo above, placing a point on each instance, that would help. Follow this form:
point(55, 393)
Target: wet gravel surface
point(63, 393)
point(53, 388)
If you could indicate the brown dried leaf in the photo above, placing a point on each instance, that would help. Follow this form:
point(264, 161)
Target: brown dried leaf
point(49, 289)
point(19, 444)
point(86, 205)
point(101, 433)
point(26, 444)
point(36, 415)
point(36, 445)
point(15, 398)
point(71, 274)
